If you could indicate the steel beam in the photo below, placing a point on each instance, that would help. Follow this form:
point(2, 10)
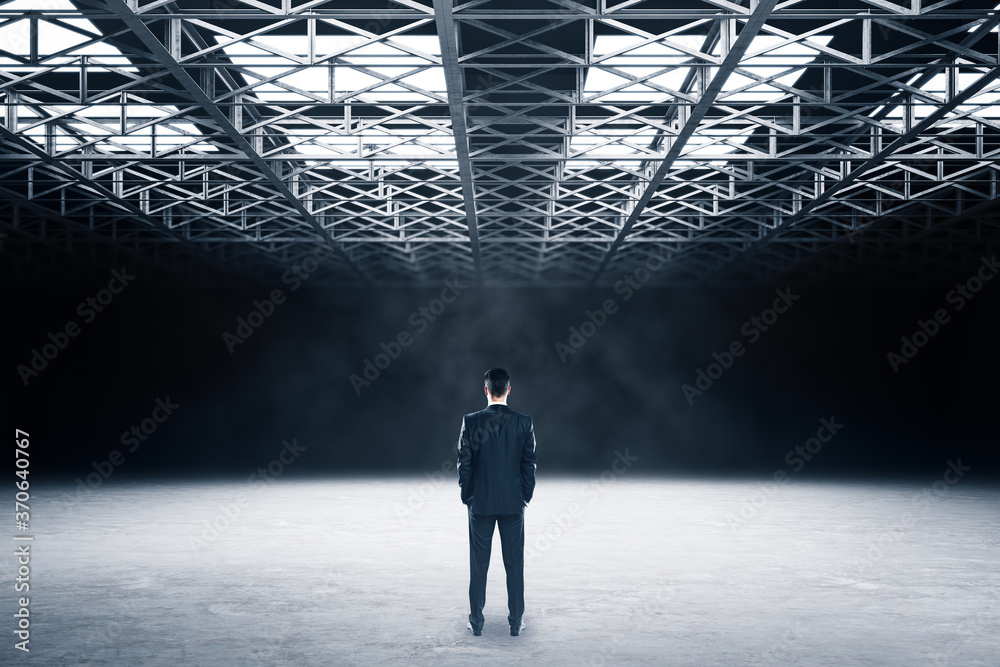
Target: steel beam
point(169, 62)
point(732, 60)
point(454, 77)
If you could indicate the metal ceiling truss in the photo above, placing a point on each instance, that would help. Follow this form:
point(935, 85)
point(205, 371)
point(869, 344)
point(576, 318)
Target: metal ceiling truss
point(551, 142)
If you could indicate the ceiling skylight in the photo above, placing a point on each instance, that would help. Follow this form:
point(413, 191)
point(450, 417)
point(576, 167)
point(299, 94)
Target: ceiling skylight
point(658, 72)
point(62, 44)
point(402, 73)
point(984, 105)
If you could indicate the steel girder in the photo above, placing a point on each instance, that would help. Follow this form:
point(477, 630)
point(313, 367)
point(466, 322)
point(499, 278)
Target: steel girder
point(546, 143)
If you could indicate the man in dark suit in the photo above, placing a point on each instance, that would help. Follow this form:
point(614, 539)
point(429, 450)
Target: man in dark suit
point(496, 473)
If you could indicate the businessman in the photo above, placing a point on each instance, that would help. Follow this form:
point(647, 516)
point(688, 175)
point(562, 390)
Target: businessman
point(496, 473)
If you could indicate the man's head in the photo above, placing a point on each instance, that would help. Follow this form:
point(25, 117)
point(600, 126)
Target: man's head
point(497, 383)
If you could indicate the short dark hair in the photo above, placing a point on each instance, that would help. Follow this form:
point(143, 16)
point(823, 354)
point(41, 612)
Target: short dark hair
point(497, 382)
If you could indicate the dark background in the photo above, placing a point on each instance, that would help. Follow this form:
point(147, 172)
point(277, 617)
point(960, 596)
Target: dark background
point(825, 357)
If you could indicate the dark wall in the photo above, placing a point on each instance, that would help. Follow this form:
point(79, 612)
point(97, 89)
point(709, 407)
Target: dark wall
point(825, 357)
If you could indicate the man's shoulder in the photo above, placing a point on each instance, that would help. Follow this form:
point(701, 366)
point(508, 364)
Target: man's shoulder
point(521, 415)
point(486, 412)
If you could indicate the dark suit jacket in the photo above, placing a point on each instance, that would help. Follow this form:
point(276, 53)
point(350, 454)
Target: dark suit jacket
point(496, 460)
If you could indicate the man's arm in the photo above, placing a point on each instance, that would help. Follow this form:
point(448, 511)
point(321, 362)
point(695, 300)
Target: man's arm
point(529, 460)
point(465, 463)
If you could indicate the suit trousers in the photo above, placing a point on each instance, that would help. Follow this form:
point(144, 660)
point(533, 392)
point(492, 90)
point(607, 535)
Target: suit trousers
point(512, 548)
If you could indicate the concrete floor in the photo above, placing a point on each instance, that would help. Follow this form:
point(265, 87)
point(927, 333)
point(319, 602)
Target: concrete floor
point(621, 571)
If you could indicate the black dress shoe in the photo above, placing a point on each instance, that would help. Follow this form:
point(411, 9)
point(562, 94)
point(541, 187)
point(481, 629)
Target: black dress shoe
point(476, 633)
point(515, 631)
